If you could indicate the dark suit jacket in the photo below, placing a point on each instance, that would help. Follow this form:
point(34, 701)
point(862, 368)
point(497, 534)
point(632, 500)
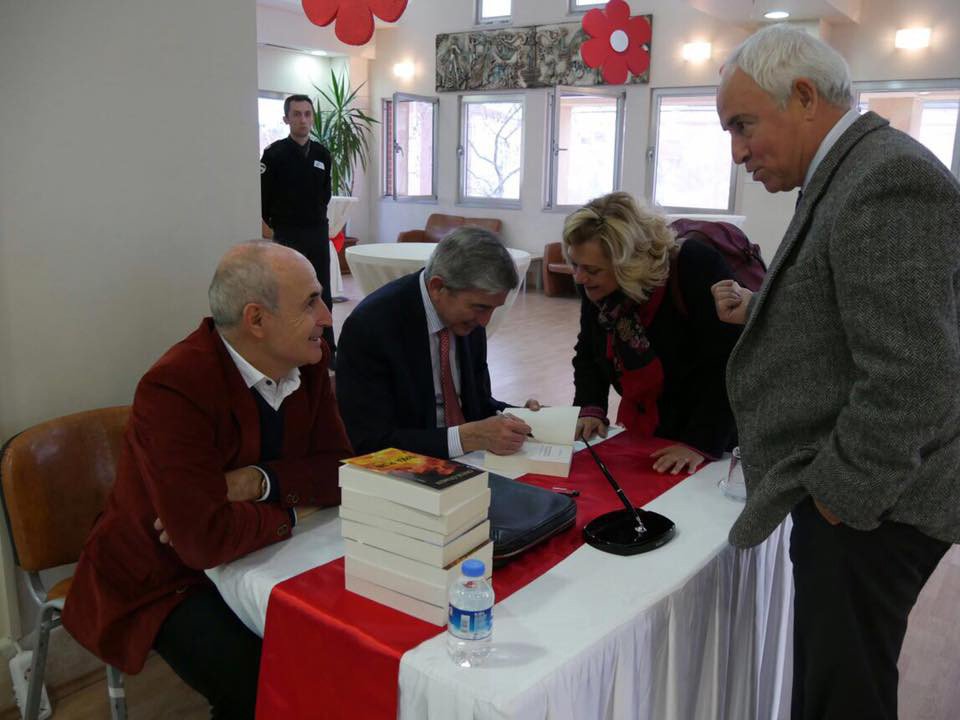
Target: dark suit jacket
point(193, 419)
point(844, 382)
point(385, 379)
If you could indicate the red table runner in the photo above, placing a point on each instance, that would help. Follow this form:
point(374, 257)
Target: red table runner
point(328, 653)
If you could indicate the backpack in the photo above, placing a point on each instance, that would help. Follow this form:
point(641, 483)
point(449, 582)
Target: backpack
point(742, 256)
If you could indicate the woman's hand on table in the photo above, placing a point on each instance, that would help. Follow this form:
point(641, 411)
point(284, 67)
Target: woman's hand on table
point(589, 427)
point(675, 459)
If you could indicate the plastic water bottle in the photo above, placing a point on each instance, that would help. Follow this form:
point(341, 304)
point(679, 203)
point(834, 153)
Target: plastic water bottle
point(470, 615)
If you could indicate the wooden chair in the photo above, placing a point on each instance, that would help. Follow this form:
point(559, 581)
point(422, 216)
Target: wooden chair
point(557, 275)
point(55, 478)
point(440, 225)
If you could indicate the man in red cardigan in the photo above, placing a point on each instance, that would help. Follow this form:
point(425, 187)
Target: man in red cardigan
point(231, 430)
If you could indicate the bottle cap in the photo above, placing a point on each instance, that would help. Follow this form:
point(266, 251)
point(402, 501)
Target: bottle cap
point(473, 568)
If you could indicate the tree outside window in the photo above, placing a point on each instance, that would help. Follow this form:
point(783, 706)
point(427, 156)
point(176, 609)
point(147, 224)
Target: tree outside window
point(492, 149)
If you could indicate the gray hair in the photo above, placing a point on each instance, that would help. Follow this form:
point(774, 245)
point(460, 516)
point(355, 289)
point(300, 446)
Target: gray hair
point(471, 258)
point(779, 54)
point(245, 275)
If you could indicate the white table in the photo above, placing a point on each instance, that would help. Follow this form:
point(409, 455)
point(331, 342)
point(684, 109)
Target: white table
point(338, 210)
point(376, 264)
point(695, 630)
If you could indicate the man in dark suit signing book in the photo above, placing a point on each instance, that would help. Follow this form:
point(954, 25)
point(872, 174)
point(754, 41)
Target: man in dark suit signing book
point(845, 383)
point(412, 369)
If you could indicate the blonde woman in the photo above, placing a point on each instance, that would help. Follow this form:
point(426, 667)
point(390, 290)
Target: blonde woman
point(656, 339)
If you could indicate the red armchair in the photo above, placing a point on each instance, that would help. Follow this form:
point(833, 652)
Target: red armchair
point(557, 275)
point(440, 225)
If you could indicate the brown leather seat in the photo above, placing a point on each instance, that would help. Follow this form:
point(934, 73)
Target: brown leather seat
point(557, 274)
point(55, 478)
point(440, 225)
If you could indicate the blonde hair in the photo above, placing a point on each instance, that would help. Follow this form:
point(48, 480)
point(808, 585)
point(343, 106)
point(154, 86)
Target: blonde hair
point(637, 241)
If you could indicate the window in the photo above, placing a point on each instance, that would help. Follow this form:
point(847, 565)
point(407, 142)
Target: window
point(386, 143)
point(584, 5)
point(493, 11)
point(270, 115)
point(689, 154)
point(410, 147)
point(491, 150)
point(586, 137)
point(926, 110)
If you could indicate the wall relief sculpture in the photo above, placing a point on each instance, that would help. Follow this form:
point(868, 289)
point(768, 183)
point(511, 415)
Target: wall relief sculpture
point(517, 58)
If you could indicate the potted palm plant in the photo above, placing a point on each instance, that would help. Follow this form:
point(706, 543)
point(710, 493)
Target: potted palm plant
point(344, 130)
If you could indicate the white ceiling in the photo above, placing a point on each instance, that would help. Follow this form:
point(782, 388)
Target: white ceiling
point(743, 12)
point(282, 22)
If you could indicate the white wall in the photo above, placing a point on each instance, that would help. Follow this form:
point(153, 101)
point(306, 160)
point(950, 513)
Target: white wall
point(868, 46)
point(127, 167)
point(291, 72)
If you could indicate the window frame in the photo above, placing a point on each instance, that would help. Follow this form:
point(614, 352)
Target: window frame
point(479, 19)
point(575, 9)
point(879, 86)
point(387, 179)
point(656, 98)
point(488, 97)
point(269, 95)
point(552, 170)
point(394, 147)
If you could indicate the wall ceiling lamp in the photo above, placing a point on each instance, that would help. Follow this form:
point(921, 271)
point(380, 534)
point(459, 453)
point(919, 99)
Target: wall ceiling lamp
point(776, 15)
point(403, 70)
point(696, 51)
point(912, 38)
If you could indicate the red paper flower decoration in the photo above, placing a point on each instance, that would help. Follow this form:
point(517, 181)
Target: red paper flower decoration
point(354, 17)
point(617, 42)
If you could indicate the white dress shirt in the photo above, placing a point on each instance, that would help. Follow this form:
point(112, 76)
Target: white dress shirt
point(829, 140)
point(273, 392)
point(435, 325)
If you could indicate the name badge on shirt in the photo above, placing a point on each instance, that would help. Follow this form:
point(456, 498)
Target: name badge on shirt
point(319, 165)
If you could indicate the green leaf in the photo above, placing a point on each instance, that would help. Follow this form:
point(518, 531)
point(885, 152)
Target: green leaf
point(344, 130)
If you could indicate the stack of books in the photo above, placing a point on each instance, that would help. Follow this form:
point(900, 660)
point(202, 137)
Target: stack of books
point(408, 521)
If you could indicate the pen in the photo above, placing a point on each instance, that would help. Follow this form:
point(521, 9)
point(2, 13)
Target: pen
point(567, 491)
point(641, 528)
point(500, 412)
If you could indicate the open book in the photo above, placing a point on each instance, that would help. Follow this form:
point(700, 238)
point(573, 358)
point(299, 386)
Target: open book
point(548, 452)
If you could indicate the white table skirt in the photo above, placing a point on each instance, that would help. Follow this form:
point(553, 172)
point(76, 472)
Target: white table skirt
point(696, 629)
point(376, 264)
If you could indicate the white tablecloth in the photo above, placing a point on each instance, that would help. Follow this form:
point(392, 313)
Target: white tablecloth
point(696, 629)
point(338, 211)
point(376, 264)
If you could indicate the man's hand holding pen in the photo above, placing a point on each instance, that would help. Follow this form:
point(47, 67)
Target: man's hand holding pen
point(502, 434)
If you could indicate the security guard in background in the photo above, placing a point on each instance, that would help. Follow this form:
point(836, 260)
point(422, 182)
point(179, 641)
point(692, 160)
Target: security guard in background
point(294, 192)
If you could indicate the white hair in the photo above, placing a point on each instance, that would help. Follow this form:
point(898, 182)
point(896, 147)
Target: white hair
point(779, 54)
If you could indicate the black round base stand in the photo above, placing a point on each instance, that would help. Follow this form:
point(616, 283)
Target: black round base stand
point(616, 532)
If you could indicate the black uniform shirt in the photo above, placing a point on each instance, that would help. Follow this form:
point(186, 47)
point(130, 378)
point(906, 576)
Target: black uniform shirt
point(294, 183)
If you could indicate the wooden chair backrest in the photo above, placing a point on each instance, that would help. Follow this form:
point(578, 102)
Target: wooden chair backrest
point(55, 478)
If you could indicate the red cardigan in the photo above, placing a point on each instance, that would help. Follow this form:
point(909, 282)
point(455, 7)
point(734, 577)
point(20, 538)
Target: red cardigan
point(193, 419)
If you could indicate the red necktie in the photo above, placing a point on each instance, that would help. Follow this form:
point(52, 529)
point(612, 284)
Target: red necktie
point(452, 414)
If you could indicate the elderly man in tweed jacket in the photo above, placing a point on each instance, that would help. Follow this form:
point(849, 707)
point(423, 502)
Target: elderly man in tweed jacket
point(846, 381)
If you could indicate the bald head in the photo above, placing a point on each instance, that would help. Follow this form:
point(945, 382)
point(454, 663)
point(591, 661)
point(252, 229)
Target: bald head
point(251, 272)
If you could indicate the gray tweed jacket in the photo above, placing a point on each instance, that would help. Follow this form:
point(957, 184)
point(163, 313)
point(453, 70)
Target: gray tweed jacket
point(845, 383)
